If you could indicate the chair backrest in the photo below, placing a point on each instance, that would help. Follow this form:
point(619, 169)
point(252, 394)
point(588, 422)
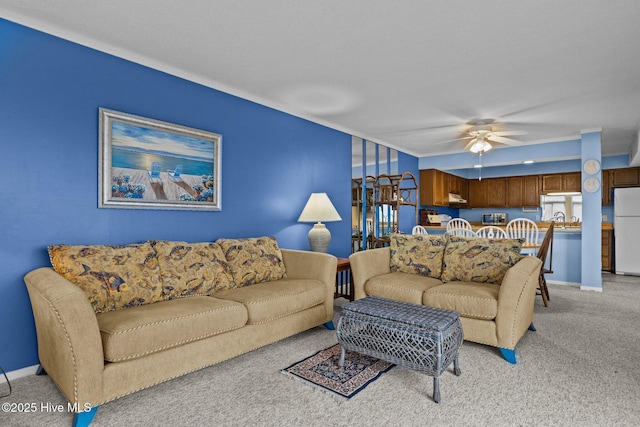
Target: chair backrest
point(418, 229)
point(523, 228)
point(546, 247)
point(156, 167)
point(176, 172)
point(458, 223)
point(492, 232)
point(461, 232)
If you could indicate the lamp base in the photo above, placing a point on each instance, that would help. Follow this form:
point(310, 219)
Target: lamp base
point(319, 238)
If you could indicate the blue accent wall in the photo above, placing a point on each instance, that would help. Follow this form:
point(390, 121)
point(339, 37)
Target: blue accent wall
point(51, 90)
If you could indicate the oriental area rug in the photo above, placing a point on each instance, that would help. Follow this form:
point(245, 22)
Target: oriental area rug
point(323, 372)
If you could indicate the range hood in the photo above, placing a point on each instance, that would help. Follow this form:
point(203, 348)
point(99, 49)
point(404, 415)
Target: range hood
point(456, 199)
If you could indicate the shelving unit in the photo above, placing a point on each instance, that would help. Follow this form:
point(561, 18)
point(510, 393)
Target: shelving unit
point(391, 194)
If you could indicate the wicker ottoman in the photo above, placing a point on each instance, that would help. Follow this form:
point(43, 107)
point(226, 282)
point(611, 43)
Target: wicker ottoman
point(423, 338)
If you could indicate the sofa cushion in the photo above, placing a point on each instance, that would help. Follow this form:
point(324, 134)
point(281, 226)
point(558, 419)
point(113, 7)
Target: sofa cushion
point(253, 260)
point(470, 299)
point(479, 259)
point(130, 334)
point(112, 277)
point(417, 254)
point(275, 299)
point(189, 269)
point(407, 287)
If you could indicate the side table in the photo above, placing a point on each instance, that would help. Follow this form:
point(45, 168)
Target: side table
point(344, 281)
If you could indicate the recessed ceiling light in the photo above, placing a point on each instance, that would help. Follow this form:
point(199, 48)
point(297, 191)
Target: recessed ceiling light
point(528, 162)
point(477, 166)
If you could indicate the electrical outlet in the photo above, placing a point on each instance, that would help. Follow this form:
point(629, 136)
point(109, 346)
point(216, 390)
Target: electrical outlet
point(604, 217)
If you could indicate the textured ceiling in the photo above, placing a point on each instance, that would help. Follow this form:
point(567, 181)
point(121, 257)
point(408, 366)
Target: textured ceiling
point(409, 74)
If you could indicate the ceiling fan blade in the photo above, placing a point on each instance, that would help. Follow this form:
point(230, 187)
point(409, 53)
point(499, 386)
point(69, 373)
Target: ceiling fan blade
point(502, 140)
point(510, 132)
point(416, 130)
point(452, 140)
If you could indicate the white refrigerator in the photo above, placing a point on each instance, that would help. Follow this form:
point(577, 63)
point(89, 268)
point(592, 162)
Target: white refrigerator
point(626, 223)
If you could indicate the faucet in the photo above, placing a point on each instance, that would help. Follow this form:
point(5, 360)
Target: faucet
point(556, 218)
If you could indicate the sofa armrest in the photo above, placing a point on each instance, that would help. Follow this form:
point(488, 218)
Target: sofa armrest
point(367, 264)
point(313, 265)
point(69, 341)
point(516, 300)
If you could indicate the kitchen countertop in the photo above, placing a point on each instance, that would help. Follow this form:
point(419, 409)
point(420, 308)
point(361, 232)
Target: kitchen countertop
point(542, 226)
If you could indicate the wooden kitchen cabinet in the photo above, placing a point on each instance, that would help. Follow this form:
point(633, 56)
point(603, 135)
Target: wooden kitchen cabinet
point(459, 185)
point(436, 185)
point(496, 192)
point(606, 188)
point(562, 182)
point(434, 188)
point(515, 192)
point(572, 182)
point(477, 193)
point(607, 250)
point(626, 177)
point(531, 191)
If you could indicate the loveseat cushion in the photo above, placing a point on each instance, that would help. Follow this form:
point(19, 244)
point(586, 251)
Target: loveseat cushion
point(417, 254)
point(112, 277)
point(136, 332)
point(479, 259)
point(189, 269)
point(253, 260)
point(267, 301)
point(400, 286)
point(470, 299)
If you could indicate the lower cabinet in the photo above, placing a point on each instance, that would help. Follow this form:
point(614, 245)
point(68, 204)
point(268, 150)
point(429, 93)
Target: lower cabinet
point(607, 250)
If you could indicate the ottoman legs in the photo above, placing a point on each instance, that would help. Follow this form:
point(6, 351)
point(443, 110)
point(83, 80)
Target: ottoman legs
point(436, 381)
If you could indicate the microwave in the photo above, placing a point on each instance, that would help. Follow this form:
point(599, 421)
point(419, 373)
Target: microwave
point(494, 219)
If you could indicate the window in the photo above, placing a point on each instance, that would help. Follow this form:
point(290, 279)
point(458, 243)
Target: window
point(568, 204)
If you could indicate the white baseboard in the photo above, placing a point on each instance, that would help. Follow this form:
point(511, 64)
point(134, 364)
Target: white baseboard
point(591, 288)
point(577, 285)
point(19, 373)
point(558, 282)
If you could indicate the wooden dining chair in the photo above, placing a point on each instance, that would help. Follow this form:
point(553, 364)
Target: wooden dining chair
point(545, 252)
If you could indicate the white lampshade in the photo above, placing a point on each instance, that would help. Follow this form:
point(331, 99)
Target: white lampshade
point(319, 208)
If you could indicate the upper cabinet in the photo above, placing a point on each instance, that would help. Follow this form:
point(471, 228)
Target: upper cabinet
point(531, 191)
point(436, 185)
point(627, 177)
point(496, 192)
point(561, 182)
point(515, 191)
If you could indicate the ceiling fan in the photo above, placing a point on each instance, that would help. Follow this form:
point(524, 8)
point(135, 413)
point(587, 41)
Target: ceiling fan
point(482, 133)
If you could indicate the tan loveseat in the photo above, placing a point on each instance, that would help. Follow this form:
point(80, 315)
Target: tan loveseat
point(486, 281)
point(142, 314)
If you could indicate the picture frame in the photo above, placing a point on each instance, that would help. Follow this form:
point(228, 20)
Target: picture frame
point(151, 164)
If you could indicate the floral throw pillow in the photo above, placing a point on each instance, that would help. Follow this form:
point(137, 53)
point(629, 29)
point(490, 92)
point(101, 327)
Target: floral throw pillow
point(112, 277)
point(189, 269)
point(479, 259)
point(417, 254)
point(253, 260)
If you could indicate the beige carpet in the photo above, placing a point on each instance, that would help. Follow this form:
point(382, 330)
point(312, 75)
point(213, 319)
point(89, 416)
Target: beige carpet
point(579, 369)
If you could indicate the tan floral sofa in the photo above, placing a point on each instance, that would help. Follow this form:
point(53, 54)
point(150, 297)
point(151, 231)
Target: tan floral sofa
point(112, 320)
point(487, 281)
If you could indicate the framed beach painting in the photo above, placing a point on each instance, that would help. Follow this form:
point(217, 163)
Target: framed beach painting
point(150, 164)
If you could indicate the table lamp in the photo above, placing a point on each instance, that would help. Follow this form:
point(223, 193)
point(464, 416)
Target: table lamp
point(319, 208)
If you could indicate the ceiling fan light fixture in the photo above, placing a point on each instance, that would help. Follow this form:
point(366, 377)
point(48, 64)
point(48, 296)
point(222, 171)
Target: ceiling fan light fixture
point(480, 146)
